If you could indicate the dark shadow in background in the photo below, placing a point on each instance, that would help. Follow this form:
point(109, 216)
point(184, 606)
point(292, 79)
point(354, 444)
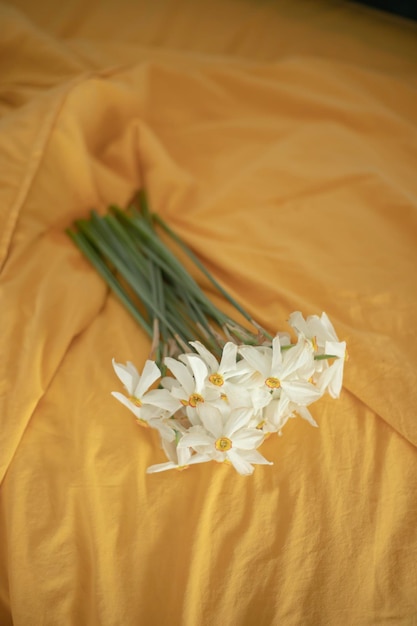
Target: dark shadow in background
point(404, 8)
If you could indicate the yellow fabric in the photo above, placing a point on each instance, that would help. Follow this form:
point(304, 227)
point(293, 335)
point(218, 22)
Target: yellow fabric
point(279, 139)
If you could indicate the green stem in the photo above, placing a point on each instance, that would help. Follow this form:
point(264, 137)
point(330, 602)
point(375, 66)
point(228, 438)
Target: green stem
point(138, 286)
point(96, 260)
point(129, 243)
point(201, 267)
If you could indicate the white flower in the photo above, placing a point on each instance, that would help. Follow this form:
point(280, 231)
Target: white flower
point(320, 328)
point(280, 410)
point(218, 373)
point(210, 409)
point(228, 377)
point(331, 377)
point(150, 407)
point(179, 458)
point(136, 385)
point(283, 372)
point(227, 440)
point(189, 386)
point(321, 332)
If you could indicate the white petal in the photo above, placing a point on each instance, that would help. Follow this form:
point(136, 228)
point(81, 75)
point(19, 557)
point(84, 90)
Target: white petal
point(161, 467)
point(297, 321)
point(282, 406)
point(148, 412)
point(238, 419)
point(212, 419)
point(260, 398)
point(278, 413)
point(276, 355)
point(260, 361)
point(335, 385)
point(243, 467)
point(124, 375)
point(199, 370)
point(193, 416)
point(170, 449)
point(305, 414)
point(163, 399)
point(297, 357)
point(284, 338)
point(237, 395)
point(199, 458)
point(337, 348)
point(165, 431)
point(136, 410)
point(206, 355)
point(331, 379)
point(168, 382)
point(182, 374)
point(301, 393)
point(183, 455)
point(328, 326)
point(243, 373)
point(195, 439)
point(150, 374)
point(247, 439)
point(315, 328)
point(228, 360)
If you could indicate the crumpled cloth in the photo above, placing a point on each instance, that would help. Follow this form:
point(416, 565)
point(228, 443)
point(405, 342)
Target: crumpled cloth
point(279, 140)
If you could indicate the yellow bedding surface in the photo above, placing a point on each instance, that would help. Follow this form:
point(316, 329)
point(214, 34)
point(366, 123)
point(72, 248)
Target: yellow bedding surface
point(279, 139)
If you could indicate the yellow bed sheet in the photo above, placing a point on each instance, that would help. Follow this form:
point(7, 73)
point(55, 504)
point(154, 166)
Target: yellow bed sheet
point(279, 140)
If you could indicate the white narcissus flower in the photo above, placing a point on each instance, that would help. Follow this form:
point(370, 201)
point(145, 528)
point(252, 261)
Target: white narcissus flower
point(222, 410)
point(179, 458)
point(321, 332)
point(227, 439)
point(218, 373)
point(283, 372)
point(280, 410)
point(135, 384)
point(137, 387)
point(314, 326)
point(189, 386)
point(150, 407)
point(331, 377)
point(227, 377)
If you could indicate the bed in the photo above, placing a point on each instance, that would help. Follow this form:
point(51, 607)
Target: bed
point(278, 139)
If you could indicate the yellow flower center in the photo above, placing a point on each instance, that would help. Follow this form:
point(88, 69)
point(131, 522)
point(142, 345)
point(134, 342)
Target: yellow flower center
point(194, 399)
point(224, 397)
point(216, 379)
point(135, 401)
point(273, 383)
point(223, 444)
point(314, 344)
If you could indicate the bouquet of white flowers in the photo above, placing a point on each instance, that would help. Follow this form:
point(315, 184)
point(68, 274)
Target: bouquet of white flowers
point(213, 388)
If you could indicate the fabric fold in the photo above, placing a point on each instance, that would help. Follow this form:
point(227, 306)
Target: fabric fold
point(278, 140)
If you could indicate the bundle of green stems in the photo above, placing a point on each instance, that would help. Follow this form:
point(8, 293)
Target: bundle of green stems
point(129, 248)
